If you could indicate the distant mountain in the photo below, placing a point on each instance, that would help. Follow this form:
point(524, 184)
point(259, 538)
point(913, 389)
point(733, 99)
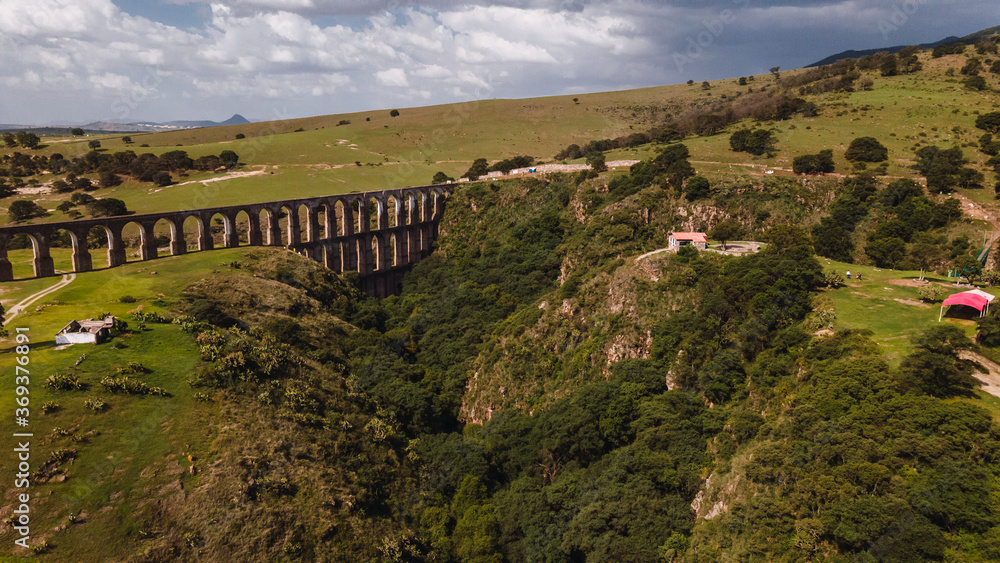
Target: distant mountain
point(142, 127)
point(851, 54)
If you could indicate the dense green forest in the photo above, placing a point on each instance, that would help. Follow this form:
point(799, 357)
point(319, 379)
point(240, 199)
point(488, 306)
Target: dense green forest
point(824, 450)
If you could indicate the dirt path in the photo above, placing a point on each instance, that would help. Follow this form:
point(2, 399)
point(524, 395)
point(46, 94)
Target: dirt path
point(990, 379)
point(23, 304)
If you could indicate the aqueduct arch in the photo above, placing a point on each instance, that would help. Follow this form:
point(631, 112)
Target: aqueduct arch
point(339, 230)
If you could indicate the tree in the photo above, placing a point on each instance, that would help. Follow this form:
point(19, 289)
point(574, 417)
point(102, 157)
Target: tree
point(241, 136)
point(107, 207)
point(108, 179)
point(394, 113)
point(976, 82)
point(94, 144)
point(866, 149)
point(968, 267)
point(755, 142)
point(82, 183)
point(725, 231)
point(76, 132)
point(697, 188)
point(9, 139)
point(786, 237)
point(127, 140)
point(229, 158)
point(989, 122)
point(924, 251)
point(889, 66)
point(814, 163)
point(23, 209)
point(27, 140)
point(442, 178)
point(479, 168)
point(597, 162)
point(934, 367)
point(774, 70)
point(162, 178)
point(886, 252)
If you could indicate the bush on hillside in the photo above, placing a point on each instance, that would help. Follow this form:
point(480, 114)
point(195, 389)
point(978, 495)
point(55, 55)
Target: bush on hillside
point(821, 163)
point(866, 149)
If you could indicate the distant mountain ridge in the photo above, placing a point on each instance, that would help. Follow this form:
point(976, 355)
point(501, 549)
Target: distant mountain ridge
point(146, 126)
point(852, 54)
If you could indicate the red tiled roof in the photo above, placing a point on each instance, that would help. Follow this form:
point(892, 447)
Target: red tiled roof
point(694, 237)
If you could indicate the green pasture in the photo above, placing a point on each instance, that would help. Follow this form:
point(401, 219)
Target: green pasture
point(113, 447)
point(887, 303)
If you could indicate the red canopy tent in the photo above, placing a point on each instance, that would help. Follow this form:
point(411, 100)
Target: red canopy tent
point(977, 299)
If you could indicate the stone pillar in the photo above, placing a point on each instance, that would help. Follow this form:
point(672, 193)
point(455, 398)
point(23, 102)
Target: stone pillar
point(43, 260)
point(382, 208)
point(178, 244)
point(6, 269)
point(348, 218)
point(312, 224)
point(426, 236)
point(294, 236)
point(82, 261)
point(365, 260)
point(232, 238)
point(438, 207)
point(116, 246)
point(428, 207)
point(364, 221)
point(147, 241)
point(414, 209)
point(205, 239)
point(384, 251)
point(350, 246)
point(254, 236)
point(413, 244)
point(402, 247)
point(331, 256)
point(330, 221)
point(399, 212)
point(273, 228)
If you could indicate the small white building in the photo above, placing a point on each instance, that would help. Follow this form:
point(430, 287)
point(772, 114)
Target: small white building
point(88, 331)
point(679, 239)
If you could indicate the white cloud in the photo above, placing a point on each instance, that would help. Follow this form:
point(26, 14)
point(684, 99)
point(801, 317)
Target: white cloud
point(392, 77)
point(90, 54)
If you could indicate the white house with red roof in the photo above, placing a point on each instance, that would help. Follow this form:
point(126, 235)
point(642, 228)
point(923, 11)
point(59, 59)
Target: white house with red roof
point(679, 239)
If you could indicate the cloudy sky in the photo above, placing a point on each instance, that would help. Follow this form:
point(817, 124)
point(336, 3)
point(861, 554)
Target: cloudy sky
point(75, 61)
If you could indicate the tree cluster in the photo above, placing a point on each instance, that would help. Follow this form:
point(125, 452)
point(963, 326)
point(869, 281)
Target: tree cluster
point(945, 169)
point(821, 163)
point(754, 141)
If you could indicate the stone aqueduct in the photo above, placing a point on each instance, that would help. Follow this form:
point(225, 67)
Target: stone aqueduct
point(338, 232)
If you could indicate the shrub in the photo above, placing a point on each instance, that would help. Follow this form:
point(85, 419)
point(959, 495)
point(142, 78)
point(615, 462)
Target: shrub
point(126, 299)
point(24, 209)
point(107, 207)
point(394, 113)
point(64, 382)
point(97, 404)
point(697, 187)
point(756, 141)
point(866, 149)
point(814, 163)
